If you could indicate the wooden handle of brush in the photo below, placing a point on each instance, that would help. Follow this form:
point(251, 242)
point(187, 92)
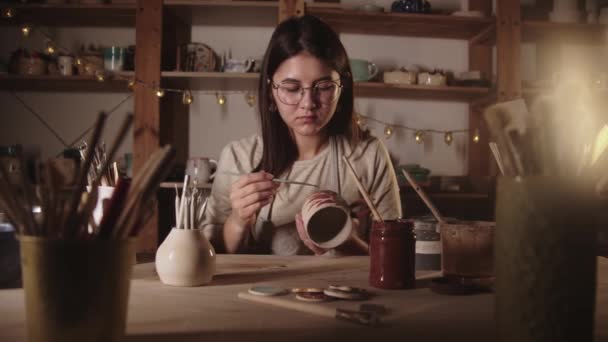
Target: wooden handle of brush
point(424, 197)
point(364, 193)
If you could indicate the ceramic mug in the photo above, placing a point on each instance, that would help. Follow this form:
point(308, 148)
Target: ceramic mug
point(113, 58)
point(363, 70)
point(201, 169)
point(326, 218)
point(66, 65)
point(238, 65)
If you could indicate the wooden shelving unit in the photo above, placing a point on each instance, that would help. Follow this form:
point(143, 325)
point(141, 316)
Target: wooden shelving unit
point(77, 83)
point(402, 24)
point(113, 15)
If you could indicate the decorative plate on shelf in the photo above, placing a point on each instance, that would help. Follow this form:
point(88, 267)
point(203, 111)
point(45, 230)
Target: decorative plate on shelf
point(200, 57)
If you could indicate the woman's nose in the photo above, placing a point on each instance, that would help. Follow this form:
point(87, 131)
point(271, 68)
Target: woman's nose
point(308, 100)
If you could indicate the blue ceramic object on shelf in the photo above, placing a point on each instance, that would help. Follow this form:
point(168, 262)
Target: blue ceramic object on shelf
point(411, 6)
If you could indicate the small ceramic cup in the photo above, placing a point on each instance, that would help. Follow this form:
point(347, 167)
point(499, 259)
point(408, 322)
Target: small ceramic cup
point(238, 65)
point(113, 58)
point(201, 169)
point(326, 219)
point(66, 65)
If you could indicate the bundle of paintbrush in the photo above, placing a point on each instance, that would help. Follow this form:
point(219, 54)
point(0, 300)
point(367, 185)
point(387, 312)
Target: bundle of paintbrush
point(562, 135)
point(189, 207)
point(100, 167)
point(66, 207)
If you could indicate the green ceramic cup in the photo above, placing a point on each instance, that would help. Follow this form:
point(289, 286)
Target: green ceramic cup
point(363, 70)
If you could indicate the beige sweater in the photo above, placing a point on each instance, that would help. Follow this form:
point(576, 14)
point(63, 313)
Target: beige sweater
point(369, 158)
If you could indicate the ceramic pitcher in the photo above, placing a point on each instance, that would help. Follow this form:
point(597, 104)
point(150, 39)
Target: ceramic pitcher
point(185, 258)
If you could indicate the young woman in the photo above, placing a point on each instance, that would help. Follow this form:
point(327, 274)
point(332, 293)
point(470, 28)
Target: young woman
point(307, 125)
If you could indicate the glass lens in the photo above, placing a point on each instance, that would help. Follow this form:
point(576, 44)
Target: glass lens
point(325, 92)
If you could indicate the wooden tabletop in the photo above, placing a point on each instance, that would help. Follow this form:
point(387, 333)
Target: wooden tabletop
point(214, 313)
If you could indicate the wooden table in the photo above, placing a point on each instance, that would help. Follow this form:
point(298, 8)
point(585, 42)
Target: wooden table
point(214, 313)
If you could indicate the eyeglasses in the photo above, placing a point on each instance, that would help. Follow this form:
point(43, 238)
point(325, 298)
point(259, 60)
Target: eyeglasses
point(326, 92)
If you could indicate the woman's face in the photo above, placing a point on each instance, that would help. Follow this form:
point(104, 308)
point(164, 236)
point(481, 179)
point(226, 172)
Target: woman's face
point(306, 93)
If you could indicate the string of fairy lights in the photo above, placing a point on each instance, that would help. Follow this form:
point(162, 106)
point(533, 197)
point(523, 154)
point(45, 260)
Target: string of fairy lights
point(187, 98)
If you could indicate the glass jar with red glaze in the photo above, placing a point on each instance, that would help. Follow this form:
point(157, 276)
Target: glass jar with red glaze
point(392, 255)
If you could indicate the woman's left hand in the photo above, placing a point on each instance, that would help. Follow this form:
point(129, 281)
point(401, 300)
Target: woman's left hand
point(305, 238)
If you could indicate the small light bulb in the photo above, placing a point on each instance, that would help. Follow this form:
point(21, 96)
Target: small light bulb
point(50, 48)
point(419, 137)
point(131, 84)
point(360, 121)
point(476, 136)
point(250, 99)
point(388, 131)
point(160, 92)
point(26, 30)
point(8, 13)
point(187, 97)
point(221, 99)
point(99, 75)
point(448, 138)
point(78, 61)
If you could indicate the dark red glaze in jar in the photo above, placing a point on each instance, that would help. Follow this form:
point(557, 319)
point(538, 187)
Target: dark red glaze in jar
point(392, 255)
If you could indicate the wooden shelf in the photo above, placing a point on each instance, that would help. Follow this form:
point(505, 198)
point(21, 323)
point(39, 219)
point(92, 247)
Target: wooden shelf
point(533, 31)
point(222, 80)
point(445, 93)
point(210, 75)
point(72, 14)
point(402, 24)
point(210, 80)
point(79, 83)
point(221, 12)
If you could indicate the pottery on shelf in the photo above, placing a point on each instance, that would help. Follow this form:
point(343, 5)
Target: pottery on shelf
point(411, 6)
point(185, 258)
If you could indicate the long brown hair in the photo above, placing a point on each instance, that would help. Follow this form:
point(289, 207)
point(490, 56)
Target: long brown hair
point(291, 37)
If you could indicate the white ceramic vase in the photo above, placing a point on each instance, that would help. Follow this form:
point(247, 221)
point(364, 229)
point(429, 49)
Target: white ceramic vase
point(185, 258)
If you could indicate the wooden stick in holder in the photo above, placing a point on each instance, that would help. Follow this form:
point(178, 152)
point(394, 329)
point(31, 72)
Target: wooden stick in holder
point(423, 196)
point(362, 190)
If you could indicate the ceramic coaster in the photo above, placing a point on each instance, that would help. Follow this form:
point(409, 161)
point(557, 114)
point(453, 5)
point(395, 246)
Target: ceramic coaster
point(354, 293)
point(341, 288)
point(307, 290)
point(312, 297)
point(267, 291)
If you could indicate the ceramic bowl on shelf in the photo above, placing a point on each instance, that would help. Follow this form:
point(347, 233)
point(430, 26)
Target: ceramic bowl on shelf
point(432, 79)
point(400, 77)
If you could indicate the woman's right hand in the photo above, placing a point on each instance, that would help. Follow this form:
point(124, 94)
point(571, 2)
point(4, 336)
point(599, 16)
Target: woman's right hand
point(250, 193)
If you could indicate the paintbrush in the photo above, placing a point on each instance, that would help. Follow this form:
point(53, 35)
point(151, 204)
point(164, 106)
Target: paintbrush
point(362, 190)
point(70, 221)
point(497, 158)
point(277, 180)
